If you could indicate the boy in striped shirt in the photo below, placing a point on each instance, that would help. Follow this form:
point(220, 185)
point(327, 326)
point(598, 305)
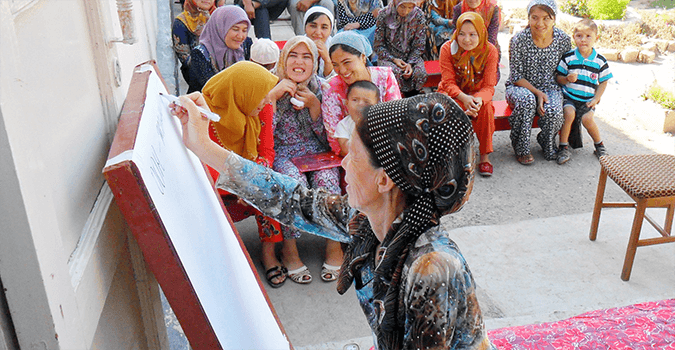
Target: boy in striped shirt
point(584, 75)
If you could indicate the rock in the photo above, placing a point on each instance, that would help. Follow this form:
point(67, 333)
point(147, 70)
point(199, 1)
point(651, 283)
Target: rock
point(669, 122)
point(629, 55)
point(647, 56)
point(671, 46)
point(609, 54)
point(650, 46)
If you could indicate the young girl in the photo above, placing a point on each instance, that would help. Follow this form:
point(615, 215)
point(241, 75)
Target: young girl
point(223, 42)
point(319, 27)
point(399, 43)
point(469, 75)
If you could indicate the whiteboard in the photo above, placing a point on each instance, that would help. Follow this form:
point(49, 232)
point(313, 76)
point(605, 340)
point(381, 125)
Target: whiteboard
point(201, 234)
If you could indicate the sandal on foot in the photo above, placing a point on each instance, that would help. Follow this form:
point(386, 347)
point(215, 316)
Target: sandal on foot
point(485, 169)
point(329, 272)
point(300, 275)
point(275, 273)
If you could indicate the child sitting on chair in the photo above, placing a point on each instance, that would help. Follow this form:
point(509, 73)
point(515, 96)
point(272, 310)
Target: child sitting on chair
point(584, 74)
point(360, 94)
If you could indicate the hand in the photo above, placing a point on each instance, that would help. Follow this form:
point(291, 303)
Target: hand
point(593, 102)
point(195, 126)
point(407, 71)
point(376, 12)
point(572, 77)
point(304, 5)
point(323, 50)
point(542, 98)
point(350, 26)
point(399, 63)
point(250, 9)
point(285, 86)
point(307, 97)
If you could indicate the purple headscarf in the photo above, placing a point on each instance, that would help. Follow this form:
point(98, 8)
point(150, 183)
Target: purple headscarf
point(213, 35)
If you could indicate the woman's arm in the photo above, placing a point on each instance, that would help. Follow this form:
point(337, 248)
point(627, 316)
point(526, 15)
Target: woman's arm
point(266, 146)
point(380, 43)
point(420, 40)
point(181, 40)
point(448, 84)
point(200, 70)
point(493, 27)
point(332, 109)
point(274, 194)
point(487, 90)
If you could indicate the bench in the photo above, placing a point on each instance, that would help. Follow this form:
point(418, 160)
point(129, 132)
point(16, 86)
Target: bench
point(433, 68)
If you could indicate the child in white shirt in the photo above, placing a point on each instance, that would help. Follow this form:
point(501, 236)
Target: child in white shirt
point(360, 94)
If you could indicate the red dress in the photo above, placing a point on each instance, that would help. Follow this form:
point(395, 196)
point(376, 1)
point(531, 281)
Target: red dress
point(268, 229)
point(484, 124)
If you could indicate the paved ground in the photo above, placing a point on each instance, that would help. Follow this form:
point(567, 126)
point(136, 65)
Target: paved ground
point(524, 231)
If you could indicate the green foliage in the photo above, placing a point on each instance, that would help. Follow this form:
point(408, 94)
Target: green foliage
point(607, 9)
point(577, 8)
point(660, 95)
point(666, 4)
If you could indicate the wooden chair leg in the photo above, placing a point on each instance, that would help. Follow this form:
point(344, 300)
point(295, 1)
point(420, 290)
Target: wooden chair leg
point(669, 218)
point(634, 238)
point(599, 196)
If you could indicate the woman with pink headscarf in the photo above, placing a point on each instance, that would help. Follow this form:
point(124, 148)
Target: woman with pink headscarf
point(223, 42)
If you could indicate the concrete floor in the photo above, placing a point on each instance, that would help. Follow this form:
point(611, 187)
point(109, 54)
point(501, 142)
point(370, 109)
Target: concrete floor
point(527, 271)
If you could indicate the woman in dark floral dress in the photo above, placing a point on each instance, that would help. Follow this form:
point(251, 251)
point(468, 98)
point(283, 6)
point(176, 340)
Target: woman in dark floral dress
point(400, 39)
point(534, 54)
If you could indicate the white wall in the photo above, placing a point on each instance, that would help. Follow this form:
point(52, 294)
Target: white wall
point(59, 253)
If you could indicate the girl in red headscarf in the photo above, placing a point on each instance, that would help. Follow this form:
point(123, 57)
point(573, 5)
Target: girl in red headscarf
point(469, 75)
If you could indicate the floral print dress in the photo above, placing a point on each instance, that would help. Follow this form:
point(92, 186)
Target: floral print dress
point(295, 135)
point(537, 66)
point(437, 288)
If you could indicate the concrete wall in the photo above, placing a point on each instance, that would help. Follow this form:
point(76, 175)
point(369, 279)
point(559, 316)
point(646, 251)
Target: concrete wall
point(65, 261)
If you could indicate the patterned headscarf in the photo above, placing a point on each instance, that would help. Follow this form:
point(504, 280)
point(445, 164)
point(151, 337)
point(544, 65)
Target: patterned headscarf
point(548, 3)
point(426, 146)
point(355, 8)
point(398, 26)
point(280, 68)
point(469, 65)
point(213, 35)
point(233, 94)
point(195, 18)
point(354, 40)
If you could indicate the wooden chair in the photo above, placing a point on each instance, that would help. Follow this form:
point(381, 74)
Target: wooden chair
point(649, 180)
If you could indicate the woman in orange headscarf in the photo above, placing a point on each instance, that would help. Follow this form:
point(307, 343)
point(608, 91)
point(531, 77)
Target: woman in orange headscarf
point(488, 9)
point(469, 75)
point(241, 95)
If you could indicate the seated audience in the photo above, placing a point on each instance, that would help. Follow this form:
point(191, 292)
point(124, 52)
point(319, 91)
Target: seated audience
point(298, 131)
point(261, 12)
point(348, 52)
point(439, 25)
point(399, 43)
point(223, 42)
point(319, 27)
point(469, 75)
point(187, 27)
point(361, 94)
point(359, 16)
point(298, 11)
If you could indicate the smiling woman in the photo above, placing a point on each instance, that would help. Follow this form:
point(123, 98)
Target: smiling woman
point(224, 41)
point(299, 131)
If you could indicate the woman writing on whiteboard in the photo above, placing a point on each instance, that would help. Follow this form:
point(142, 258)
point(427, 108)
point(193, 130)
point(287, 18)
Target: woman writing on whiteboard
point(410, 162)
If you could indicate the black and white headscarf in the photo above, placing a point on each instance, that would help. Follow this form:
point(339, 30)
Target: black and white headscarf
point(426, 146)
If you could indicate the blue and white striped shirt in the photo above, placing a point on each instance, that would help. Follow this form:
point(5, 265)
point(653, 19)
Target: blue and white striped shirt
point(591, 72)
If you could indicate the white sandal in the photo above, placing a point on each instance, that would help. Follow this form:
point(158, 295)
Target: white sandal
point(300, 275)
point(329, 272)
